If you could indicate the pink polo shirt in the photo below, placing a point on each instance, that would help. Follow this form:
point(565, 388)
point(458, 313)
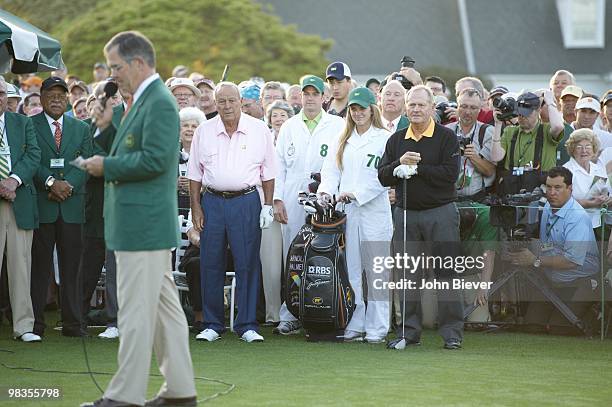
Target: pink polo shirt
point(232, 163)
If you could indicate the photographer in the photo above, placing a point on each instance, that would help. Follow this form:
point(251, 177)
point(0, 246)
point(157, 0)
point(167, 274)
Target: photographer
point(477, 171)
point(530, 148)
point(567, 253)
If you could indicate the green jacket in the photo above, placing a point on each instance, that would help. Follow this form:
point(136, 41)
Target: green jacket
point(403, 123)
point(25, 159)
point(94, 199)
point(76, 141)
point(140, 210)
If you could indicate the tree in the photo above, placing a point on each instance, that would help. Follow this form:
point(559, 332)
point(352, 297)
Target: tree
point(201, 34)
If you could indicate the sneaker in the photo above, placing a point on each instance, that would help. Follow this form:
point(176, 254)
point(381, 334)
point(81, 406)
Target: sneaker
point(209, 335)
point(29, 337)
point(353, 336)
point(251, 336)
point(287, 328)
point(374, 339)
point(111, 333)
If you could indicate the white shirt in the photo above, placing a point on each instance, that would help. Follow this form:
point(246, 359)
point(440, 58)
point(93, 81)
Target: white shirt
point(584, 188)
point(52, 126)
point(6, 143)
point(144, 85)
point(394, 122)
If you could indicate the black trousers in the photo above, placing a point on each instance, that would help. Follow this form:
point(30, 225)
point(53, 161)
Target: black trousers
point(92, 261)
point(67, 238)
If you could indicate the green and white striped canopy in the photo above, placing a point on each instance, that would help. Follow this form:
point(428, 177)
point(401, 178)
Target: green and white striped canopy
point(25, 49)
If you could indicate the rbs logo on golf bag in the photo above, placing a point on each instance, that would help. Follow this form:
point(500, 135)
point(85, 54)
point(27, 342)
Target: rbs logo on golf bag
point(319, 270)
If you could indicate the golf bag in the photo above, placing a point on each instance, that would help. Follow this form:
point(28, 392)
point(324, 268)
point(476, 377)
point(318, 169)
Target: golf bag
point(327, 300)
point(294, 268)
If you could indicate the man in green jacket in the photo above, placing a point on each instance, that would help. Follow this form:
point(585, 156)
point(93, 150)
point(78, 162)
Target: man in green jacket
point(19, 160)
point(61, 193)
point(141, 226)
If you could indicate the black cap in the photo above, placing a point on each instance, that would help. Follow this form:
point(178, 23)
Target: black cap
point(528, 102)
point(53, 81)
point(498, 91)
point(371, 81)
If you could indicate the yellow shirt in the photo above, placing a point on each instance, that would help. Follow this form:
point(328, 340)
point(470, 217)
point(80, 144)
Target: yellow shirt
point(311, 124)
point(427, 133)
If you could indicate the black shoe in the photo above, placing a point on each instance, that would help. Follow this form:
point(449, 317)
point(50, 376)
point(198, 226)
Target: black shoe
point(197, 327)
point(177, 402)
point(452, 344)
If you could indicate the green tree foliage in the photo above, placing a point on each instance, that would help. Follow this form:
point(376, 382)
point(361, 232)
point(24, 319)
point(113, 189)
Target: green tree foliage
point(201, 34)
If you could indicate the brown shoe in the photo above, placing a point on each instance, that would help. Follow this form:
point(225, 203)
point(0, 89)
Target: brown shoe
point(167, 402)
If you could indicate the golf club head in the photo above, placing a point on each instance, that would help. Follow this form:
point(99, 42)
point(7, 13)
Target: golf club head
point(302, 194)
point(309, 209)
point(397, 344)
point(302, 201)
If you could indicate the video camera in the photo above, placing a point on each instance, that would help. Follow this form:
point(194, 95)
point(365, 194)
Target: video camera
point(507, 105)
point(511, 211)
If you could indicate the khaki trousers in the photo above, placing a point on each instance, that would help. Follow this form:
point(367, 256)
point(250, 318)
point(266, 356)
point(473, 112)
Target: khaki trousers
point(150, 317)
point(271, 254)
point(18, 243)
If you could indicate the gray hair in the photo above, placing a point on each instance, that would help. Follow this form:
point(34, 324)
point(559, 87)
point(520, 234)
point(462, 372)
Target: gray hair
point(430, 94)
point(476, 84)
point(290, 88)
point(272, 85)
point(396, 82)
point(131, 45)
point(192, 113)
point(226, 84)
point(562, 72)
point(279, 104)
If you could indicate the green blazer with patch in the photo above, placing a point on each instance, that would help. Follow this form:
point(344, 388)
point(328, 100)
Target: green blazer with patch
point(140, 206)
point(94, 198)
point(403, 123)
point(25, 159)
point(76, 141)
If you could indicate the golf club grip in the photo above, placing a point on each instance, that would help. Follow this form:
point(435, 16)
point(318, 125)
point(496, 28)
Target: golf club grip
point(225, 73)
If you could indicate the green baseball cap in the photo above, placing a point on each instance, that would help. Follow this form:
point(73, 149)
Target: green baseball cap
point(361, 96)
point(314, 81)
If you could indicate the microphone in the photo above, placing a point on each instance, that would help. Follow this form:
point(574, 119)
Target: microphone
point(110, 89)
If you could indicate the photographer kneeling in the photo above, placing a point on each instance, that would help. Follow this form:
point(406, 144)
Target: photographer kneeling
point(529, 149)
point(567, 254)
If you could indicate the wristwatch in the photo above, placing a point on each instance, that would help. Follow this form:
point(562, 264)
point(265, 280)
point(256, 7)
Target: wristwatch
point(537, 263)
point(49, 183)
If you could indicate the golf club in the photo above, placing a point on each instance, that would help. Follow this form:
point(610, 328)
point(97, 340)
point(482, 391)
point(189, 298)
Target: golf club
point(400, 343)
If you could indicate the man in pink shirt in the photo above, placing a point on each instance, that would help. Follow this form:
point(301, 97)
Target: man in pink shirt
point(232, 159)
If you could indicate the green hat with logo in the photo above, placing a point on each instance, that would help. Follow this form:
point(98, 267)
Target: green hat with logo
point(361, 96)
point(314, 81)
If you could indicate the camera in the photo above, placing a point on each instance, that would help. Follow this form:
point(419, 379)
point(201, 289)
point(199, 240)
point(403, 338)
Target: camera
point(441, 110)
point(463, 143)
point(507, 105)
point(511, 211)
point(407, 62)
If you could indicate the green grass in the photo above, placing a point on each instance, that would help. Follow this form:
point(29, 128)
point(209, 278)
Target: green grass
point(492, 369)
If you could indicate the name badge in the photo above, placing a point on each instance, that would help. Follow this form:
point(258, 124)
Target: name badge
point(57, 163)
point(5, 150)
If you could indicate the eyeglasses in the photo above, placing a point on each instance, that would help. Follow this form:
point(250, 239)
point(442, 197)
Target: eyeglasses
point(182, 95)
point(55, 97)
point(587, 147)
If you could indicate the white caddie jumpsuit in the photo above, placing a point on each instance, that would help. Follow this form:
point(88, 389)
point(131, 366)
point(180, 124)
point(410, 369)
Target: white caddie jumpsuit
point(299, 155)
point(369, 224)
